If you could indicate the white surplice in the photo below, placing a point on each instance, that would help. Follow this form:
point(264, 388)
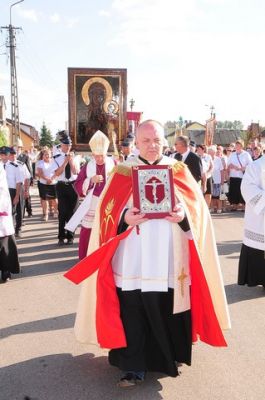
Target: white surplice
point(253, 192)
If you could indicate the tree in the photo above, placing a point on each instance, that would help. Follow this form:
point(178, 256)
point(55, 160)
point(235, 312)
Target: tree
point(233, 125)
point(3, 139)
point(46, 138)
point(237, 125)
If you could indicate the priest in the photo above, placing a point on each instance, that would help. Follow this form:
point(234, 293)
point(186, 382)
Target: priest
point(90, 182)
point(158, 281)
point(252, 262)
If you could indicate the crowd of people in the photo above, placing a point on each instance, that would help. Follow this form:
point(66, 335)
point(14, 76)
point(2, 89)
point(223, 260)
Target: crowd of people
point(218, 169)
point(151, 271)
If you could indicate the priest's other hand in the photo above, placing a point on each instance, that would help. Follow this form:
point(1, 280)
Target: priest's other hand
point(177, 215)
point(132, 217)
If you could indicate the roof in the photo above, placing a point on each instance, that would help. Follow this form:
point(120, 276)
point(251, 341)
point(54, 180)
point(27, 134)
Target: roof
point(226, 136)
point(8, 122)
point(221, 136)
point(196, 125)
point(197, 136)
point(171, 133)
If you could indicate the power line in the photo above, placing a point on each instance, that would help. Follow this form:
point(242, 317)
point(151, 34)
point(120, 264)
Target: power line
point(11, 44)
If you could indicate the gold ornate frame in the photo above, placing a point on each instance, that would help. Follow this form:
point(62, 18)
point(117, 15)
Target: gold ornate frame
point(114, 82)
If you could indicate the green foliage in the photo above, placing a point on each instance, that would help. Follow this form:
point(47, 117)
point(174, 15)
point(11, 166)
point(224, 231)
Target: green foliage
point(46, 138)
point(56, 141)
point(3, 140)
point(233, 125)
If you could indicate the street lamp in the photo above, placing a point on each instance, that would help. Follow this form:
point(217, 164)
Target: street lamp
point(12, 5)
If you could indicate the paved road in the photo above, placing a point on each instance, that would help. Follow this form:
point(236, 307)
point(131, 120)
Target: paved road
point(41, 359)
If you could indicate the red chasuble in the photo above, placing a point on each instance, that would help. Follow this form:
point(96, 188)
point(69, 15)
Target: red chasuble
point(109, 326)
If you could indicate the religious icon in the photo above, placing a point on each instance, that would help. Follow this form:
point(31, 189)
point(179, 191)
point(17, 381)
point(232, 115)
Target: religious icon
point(97, 101)
point(153, 191)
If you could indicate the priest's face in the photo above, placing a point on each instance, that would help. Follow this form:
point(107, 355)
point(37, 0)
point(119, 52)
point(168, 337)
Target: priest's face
point(100, 158)
point(149, 140)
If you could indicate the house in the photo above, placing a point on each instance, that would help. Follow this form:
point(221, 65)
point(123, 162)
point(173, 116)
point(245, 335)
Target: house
point(28, 134)
point(196, 132)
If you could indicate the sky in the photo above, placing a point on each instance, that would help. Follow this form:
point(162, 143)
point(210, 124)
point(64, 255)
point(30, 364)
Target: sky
point(181, 56)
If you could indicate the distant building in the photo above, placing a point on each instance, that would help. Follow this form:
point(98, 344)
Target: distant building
point(254, 130)
point(28, 134)
point(196, 132)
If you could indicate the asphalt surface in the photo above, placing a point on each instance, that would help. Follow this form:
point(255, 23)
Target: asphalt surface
point(40, 358)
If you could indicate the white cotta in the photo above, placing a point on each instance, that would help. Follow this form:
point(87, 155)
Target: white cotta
point(253, 192)
point(6, 221)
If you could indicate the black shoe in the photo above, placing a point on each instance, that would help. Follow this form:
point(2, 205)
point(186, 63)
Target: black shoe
point(70, 241)
point(6, 275)
point(18, 234)
point(130, 379)
point(60, 242)
point(30, 215)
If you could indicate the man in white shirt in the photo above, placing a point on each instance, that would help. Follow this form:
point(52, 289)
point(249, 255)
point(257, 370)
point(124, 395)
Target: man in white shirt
point(66, 169)
point(236, 165)
point(15, 181)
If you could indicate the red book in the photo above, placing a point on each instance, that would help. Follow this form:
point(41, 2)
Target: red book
point(153, 190)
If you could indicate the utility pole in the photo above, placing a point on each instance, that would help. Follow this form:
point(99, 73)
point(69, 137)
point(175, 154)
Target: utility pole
point(11, 44)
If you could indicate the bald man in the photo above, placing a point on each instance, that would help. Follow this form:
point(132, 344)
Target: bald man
point(150, 279)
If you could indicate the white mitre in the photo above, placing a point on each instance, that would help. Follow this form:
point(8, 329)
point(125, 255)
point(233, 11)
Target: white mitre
point(99, 143)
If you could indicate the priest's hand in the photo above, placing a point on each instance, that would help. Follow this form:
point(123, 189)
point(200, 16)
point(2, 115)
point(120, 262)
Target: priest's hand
point(97, 179)
point(177, 215)
point(132, 217)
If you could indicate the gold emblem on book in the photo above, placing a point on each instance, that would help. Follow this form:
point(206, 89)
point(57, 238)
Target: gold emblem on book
point(108, 217)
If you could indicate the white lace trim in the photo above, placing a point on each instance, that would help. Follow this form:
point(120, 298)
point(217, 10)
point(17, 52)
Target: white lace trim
point(256, 237)
point(256, 199)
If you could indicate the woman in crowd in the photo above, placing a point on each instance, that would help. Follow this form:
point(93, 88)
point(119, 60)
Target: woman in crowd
point(207, 168)
point(222, 154)
point(218, 180)
point(236, 165)
point(47, 182)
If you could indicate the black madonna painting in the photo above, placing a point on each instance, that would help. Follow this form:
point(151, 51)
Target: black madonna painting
point(97, 101)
